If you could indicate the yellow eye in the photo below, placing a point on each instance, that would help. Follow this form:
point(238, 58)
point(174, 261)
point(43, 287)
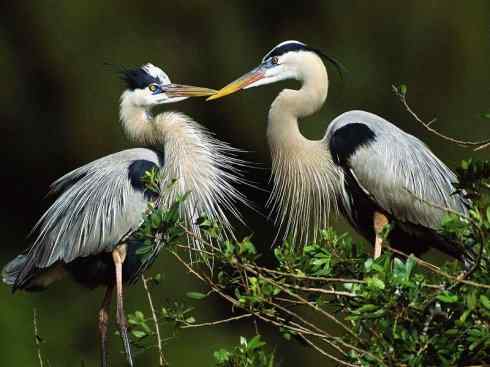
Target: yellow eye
point(152, 88)
point(275, 60)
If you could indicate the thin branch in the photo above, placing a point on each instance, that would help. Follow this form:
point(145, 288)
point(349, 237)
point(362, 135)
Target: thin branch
point(280, 323)
point(162, 360)
point(37, 339)
point(306, 277)
point(328, 355)
point(218, 322)
point(321, 290)
point(440, 272)
point(476, 145)
point(309, 304)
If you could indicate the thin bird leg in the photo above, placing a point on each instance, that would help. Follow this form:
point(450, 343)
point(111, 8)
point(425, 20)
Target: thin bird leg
point(379, 222)
point(103, 324)
point(118, 256)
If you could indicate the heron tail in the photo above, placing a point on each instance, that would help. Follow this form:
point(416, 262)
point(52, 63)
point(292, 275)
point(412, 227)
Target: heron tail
point(12, 270)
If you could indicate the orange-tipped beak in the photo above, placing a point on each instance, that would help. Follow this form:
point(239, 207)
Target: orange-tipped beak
point(239, 84)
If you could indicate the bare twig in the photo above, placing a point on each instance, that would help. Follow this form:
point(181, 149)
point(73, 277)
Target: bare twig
point(437, 270)
point(326, 354)
point(313, 306)
point(476, 145)
point(218, 322)
point(321, 290)
point(162, 360)
point(37, 339)
point(306, 277)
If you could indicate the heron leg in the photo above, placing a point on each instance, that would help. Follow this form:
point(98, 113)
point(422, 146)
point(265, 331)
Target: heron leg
point(103, 323)
point(379, 222)
point(118, 256)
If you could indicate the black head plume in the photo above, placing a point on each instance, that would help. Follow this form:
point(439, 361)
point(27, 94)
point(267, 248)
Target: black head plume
point(137, 78)
point(341, 69)
point(295, 46)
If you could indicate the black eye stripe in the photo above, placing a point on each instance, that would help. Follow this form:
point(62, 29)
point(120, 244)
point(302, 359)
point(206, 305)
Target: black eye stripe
point(298, 46)
point(138, 78)
point(287, 47)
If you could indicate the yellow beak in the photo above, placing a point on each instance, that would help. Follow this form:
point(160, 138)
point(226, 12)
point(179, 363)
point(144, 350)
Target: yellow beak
point(180, 90)
point(240, 83)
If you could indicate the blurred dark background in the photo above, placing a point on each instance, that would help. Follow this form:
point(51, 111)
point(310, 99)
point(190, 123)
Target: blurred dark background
point(60, 110)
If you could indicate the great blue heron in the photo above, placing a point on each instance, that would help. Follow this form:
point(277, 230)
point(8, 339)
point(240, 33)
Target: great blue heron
point(86, 231)
point(365, 167)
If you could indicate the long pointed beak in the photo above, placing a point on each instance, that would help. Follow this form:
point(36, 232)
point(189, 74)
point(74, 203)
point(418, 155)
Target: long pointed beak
point(239, 84)
point(180, 90)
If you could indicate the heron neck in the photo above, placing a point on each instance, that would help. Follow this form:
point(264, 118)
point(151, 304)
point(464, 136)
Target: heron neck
point(202, 166)
point(291, 105)
point(136, 122)
point(306, 180)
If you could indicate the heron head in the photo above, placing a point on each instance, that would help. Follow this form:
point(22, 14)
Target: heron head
point(149, 86)
point(287, 60)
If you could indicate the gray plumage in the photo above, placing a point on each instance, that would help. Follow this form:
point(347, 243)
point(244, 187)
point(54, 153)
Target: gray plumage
point(398, 172)
point(364, 167)
point(103, 202)
point(87, 230)
point(97, 206)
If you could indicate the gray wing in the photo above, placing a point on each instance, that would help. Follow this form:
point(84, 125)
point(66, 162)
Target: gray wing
point(98, 204)
point(394, 168)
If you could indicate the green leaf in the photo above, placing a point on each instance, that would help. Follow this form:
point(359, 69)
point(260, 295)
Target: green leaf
point(463, 317)
point(375, 283)
point(488, 214)
point(447, 297)
point(196, 295)
point(138, 334)
point(367, 308)
point(144, 250)
point(485, 115)
point(409, 265)
point(485, 301)
point(243, 341)
point(222, 356)
point(471, 300)
point(368, 264)
point(255, 343)
point(402, 89)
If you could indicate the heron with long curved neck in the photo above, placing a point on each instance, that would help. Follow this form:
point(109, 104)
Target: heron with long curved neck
point(87, 232)
point(365, 167)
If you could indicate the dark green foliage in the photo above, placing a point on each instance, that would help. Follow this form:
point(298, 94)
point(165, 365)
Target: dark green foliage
point(160, 227)
point(393, 311)
point(250, 353)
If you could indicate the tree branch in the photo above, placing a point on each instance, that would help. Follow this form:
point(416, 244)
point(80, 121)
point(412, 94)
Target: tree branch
point(476, 145)
point(37, 338)
point(162, 360)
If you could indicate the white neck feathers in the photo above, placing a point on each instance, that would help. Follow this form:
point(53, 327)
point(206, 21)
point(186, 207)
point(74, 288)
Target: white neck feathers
point(195, 163)
point(305, 179)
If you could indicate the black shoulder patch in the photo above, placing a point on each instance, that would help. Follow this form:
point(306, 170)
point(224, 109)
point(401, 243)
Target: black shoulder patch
point(137, 170)
point(138, 78)
point(345, 141)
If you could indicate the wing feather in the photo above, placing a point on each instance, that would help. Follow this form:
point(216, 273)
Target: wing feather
point(97, 205)
point(398, 171)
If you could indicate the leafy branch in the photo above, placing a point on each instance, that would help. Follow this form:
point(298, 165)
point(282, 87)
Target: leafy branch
point(397, 310)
